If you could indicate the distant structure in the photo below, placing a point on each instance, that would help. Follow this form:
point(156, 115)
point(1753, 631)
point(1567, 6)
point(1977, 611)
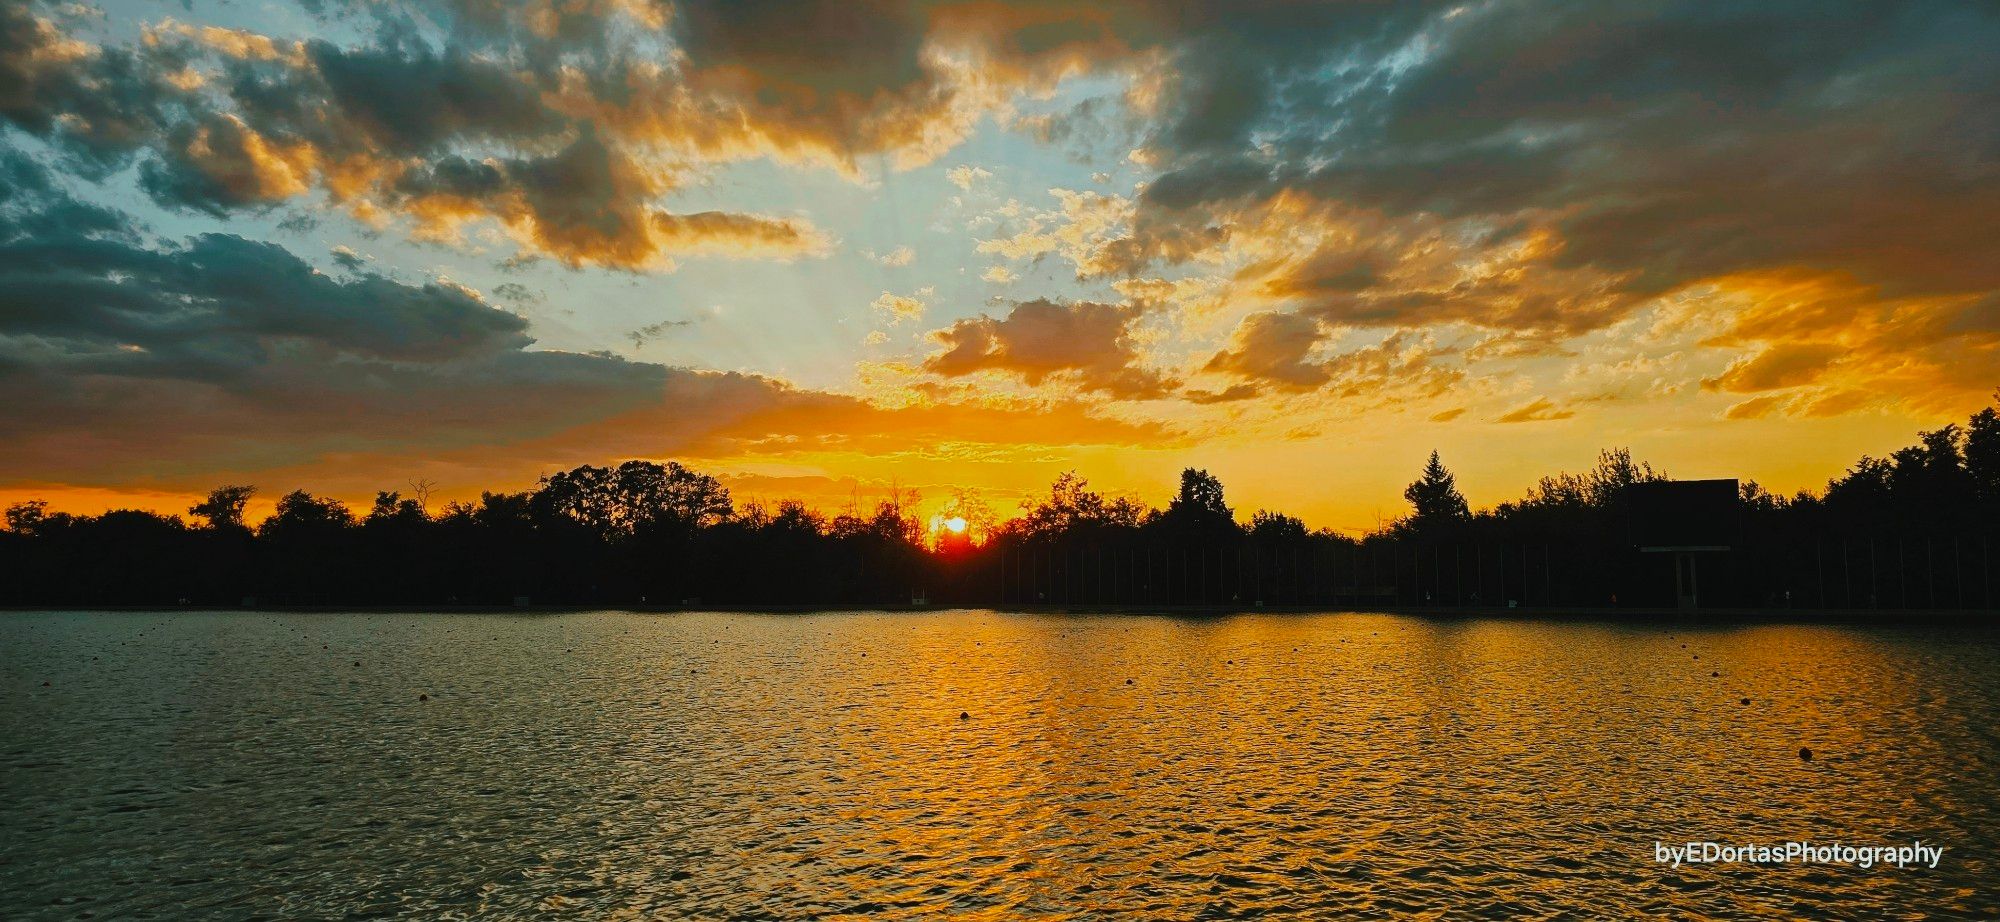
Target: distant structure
point(1687, 519)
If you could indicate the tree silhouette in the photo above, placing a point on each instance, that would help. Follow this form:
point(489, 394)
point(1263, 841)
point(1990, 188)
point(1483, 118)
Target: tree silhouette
point(634, 496)
point(1434, 497)
point(302, 513)
point(1072, 506)
point(1198, 509)
point(393, 509)
point(1916, 527)
point(1276, 527)
point(1982, 455)
point(223, 509)
point(28, 518)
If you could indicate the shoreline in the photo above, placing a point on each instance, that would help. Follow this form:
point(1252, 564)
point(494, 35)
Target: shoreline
point(1976, 617)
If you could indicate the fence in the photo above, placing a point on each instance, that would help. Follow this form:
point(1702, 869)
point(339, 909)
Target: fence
point(1825, 572)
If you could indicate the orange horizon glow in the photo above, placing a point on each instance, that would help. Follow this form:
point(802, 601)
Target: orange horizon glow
point(1367, 498)
point(963, 249)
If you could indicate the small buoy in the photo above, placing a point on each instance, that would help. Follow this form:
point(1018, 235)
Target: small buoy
point(1128, 681)
point(357, 664)
point(1697, 656)
point(964, 716)
point(1715, 675)
point(423, 697)
point(45, 684)
point(1805, 754)
point(1744, 701)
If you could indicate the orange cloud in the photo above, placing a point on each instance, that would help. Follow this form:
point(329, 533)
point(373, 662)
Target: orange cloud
point(1539, 409)
point(1085, 342)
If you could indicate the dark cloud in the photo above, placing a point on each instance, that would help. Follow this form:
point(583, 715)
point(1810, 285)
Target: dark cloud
point(1655, 146)
point(517, 293)
point(1273, 347)
point(1540, 168)
point(113, 343)
point(1278, 349)
point(126, 357)
point(652, 331)
point(1631, 150)
point(1229, 394)
point(409, 98)
point(217, 163)
point(441, 130)
point(590, 203)
point(347, 259)
point(810, 48)
point(100, 105)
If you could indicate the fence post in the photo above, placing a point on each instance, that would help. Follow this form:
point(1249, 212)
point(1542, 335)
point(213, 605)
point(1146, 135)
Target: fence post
point(1902, 575)
point(1819, 559)
point(1930, 572)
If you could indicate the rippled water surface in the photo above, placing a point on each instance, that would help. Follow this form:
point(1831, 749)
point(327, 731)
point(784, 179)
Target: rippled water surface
point(227, 765)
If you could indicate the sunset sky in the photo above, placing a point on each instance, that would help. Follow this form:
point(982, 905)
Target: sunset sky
point(820, 248)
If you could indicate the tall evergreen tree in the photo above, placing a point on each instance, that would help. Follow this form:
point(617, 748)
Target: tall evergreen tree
point(1434, 496)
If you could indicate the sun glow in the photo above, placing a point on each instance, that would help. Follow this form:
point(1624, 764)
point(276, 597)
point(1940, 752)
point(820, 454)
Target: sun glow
point(949, 530)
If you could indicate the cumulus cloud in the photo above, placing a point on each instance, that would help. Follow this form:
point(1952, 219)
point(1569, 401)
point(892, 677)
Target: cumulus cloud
point(1549, 169)
point(899, 307)
point(1273, 347)
point(346, 258)
point(1284, 351)
point(404, 128)
point(1085, 342)
point(894, 259)
point(966, 176)
point(588, 204)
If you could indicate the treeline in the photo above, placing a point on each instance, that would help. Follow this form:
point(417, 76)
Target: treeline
point(1914, 529)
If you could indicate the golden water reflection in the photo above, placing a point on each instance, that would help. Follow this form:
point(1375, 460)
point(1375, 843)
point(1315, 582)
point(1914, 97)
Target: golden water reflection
point(815, 766)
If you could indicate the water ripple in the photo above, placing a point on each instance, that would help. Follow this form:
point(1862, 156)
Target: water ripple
point(619, 765)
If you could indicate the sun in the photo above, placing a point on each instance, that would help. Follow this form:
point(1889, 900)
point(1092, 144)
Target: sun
point(952, 529)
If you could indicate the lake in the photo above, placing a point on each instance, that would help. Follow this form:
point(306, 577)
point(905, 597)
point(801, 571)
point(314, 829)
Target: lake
point(224, 765)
